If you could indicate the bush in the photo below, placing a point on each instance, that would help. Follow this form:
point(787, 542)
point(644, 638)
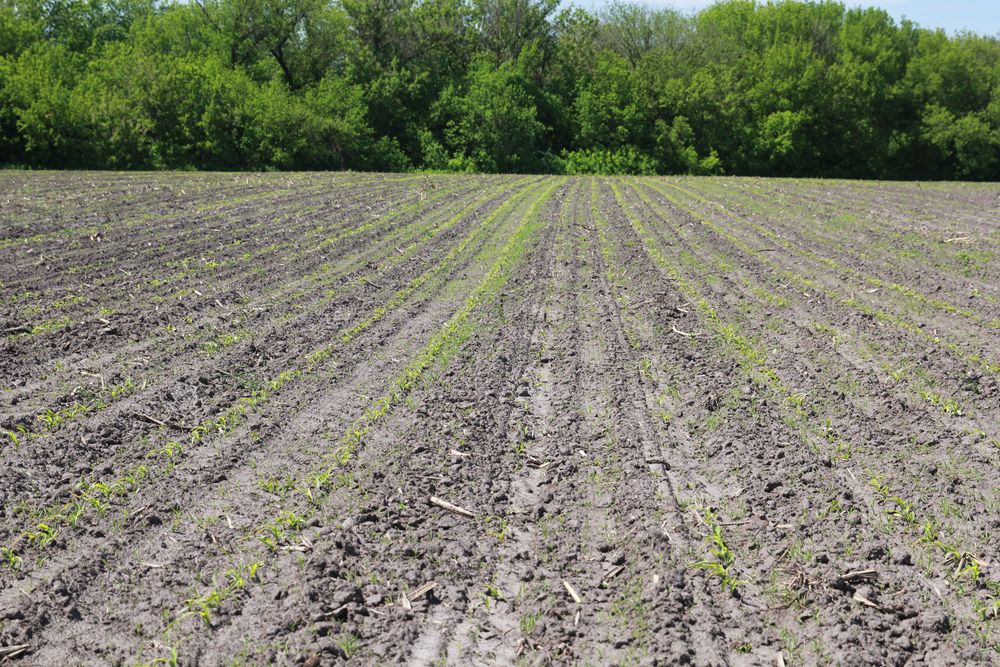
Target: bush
point(605, 162)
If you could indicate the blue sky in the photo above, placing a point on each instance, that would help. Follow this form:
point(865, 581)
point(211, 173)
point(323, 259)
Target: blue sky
point(981, 16)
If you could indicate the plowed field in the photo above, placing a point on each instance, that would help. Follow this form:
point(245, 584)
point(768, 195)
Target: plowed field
point(316, 418)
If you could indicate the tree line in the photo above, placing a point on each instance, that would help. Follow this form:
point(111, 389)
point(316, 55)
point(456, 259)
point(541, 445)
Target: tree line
point(777, 89)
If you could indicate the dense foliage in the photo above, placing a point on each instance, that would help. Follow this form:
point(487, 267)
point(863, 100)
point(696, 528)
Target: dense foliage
point(785, 88)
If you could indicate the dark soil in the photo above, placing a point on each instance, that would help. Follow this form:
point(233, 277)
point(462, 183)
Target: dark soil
point(678, 421)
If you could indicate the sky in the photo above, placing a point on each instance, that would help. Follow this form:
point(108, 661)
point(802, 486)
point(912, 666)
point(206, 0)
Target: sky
point(981, 16)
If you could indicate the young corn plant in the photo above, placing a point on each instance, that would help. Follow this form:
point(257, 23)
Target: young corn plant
point(723, 557)
point(10, 559)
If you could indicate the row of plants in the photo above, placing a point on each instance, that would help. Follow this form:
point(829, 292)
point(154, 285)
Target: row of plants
point(313, 488)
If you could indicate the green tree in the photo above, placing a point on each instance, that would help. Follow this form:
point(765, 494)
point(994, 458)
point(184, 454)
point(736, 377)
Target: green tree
point(493, 124)
point(611, 109)
point(507, 27)
point(37, 96)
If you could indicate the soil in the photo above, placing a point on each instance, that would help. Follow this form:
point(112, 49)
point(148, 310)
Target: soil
point(380, 419)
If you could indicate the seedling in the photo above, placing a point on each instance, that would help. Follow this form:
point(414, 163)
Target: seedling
point(10, 559)
point(498, 528)
point(723, 557)
point(349, 643)
point(42, 535)
point(527, 622)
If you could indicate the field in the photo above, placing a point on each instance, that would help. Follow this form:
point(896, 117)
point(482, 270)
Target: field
point(315, 418)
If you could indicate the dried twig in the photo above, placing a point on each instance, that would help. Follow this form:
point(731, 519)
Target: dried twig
point(799, 580)
point(421, 591)
point(20, 328)
point(962, 560)
point(304, 546)
point(683, 333)
point(858, 575)
point(93, 375)
point(13, 651)
point(406, 599)
point(572, 592)
point(612, 573)
point(858, 597)
point(454, 509)
point(147, 418)
point(159, 422)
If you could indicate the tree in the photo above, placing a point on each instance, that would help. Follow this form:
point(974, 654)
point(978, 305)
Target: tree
point(507, 27)
point(302, 38)
point(779, 88)
point(610, 110)
point(37, 95)
point(493, 125)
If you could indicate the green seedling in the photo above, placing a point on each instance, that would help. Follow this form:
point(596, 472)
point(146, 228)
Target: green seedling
point(10, 559)
point(349, 643)
point(12, 436)
point(498, 528)
point(527, 622)
point(723, 557)
point(42, 535)
point(169, 451)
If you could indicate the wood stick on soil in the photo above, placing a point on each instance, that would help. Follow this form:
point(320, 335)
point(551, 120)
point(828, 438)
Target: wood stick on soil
point(572, 592)
point(406, 599)
point(421, 591)
point(20, 328)
point(153, 420)
point(683, 333)
point(858, 575)
point(372, 283)
point(858, 597)
point(147, 418)
point(13, 651)
point(93, 375)
point(614, 572)
point(957, 239)
point(454, 509)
